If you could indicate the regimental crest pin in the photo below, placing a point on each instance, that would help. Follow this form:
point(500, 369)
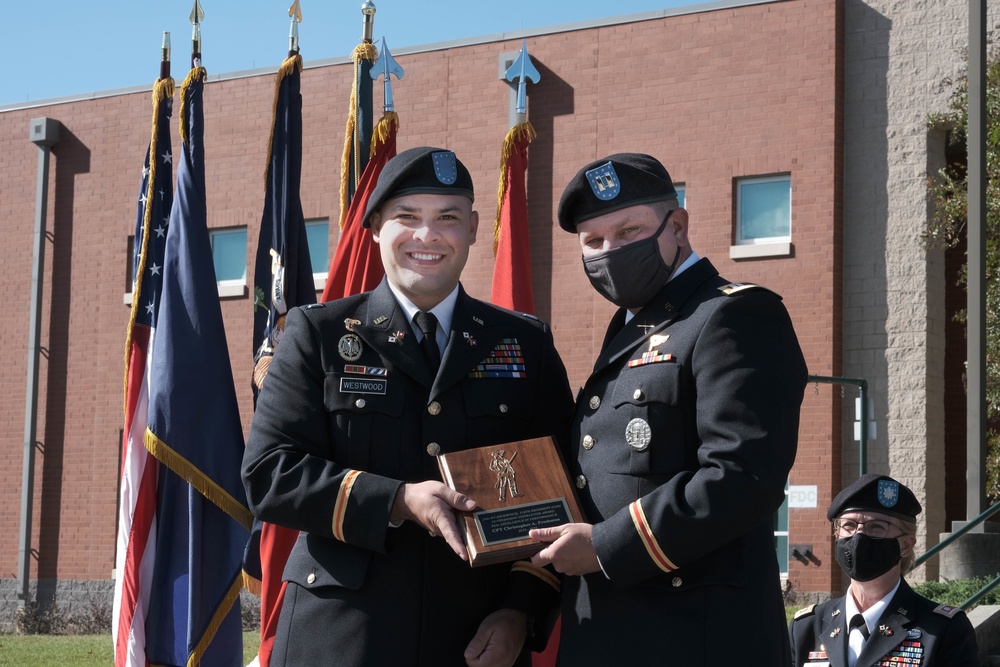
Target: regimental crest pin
point(349, 347)
point(604, 181)
point(350, 323)
point(888, 492)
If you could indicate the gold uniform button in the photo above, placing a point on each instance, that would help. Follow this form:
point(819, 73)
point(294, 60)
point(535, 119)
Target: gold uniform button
point(676, 582)
point(434, 408)
point(637, 395)
point(503, 408)
point(588, 442)
point(360, 403)
point(433, 449)
point(581, 482)
point(595, 402)
point(311, 579)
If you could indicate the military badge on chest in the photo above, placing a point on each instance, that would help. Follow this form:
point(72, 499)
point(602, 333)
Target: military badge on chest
point(349, 347)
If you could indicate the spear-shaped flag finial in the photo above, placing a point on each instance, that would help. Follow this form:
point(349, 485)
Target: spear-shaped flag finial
point(165, 56)
point(386, 65)
point(522, 69)
point(295, 12)
point(368, 9)
point(197, 16)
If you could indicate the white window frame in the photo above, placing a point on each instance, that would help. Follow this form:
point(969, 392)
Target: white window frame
point(319, 277)
point(770, 246)
point(234, 287)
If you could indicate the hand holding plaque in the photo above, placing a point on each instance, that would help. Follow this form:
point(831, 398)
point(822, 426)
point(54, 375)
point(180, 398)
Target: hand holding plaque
point(518, 486)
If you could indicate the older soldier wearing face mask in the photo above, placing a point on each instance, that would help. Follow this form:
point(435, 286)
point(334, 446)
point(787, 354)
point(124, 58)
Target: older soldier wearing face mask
point(682, 441)
point(880, 621)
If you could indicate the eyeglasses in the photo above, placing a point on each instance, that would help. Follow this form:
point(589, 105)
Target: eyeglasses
point(875, 528)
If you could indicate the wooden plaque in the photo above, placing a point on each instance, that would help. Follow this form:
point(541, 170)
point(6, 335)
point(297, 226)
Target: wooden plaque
point(517, 486)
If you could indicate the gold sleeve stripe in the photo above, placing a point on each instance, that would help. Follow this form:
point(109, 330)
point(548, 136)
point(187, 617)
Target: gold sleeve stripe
point(648, 540)
point(543, 574)
point(340, 507)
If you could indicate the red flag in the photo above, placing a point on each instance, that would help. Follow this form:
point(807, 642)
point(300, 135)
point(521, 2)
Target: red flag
point(512, 269)
point(357, 264)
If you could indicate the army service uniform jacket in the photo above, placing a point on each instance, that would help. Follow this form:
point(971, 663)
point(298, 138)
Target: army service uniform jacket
point(349, 411)
point(684, 435)
point(912, 630)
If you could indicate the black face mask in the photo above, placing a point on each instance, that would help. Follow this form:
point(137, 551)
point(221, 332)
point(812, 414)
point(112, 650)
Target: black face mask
point(631, 275)
point(863, 559)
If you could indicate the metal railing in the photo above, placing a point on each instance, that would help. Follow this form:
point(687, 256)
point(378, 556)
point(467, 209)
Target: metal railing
point(940, 546)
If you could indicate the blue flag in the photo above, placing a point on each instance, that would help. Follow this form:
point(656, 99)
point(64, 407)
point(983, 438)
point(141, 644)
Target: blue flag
point(194, 430)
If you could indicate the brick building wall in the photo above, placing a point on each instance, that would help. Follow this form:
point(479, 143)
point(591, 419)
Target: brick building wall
point(717, 93)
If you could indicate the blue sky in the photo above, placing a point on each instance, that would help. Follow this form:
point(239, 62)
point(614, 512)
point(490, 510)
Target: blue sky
point(54, 48)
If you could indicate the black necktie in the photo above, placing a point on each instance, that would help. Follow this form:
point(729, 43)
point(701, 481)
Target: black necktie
point(427, 324)
point(858, 623)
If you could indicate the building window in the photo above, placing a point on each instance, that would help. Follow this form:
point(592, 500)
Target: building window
point(681, 194)
point(781, 534)
point(318, 238)
point(763, 217)
point(229, 254)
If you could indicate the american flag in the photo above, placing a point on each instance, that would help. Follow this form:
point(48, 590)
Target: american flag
point(137, 495)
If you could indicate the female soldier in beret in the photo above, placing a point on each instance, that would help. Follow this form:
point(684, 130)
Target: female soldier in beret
point(880, 621)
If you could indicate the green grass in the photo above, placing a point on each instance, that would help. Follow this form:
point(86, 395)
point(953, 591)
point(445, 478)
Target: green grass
point(78, 650)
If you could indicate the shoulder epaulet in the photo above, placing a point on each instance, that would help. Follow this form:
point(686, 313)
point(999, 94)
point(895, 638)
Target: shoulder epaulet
point(805, 611)
point(315, 305)
point(732, 289)
point(946, 610)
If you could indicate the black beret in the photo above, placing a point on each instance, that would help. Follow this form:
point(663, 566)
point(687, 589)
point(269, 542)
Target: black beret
point(419, 171)
point(613, 183)
point(876, 493)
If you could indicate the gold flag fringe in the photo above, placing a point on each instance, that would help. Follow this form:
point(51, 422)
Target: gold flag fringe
point(196, 74)
point(388, 123)
point(291, 65)
point(518, 132)
point(206, 486)
point(163, 90)
point(252, 583)
point(363, 51)
point(232, 595)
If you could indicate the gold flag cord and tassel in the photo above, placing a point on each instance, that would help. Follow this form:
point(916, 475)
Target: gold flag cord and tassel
point(163, 90)
point(291, 65)
point(363, 51)
point(517, 133)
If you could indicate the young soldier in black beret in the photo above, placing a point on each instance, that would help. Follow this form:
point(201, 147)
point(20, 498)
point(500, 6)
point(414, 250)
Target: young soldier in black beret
point(682, 442)
point(357, 404)
point(880, 621)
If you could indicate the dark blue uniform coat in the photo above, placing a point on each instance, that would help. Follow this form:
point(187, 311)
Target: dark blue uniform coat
point(684, 435)
point(348, 412)
point(912, 630)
